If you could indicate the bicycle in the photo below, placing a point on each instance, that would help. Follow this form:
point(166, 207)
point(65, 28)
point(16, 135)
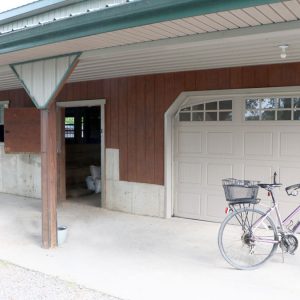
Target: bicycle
point(248, 237)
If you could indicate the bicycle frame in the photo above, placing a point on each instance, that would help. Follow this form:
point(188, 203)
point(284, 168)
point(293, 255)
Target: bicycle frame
point(290, 216)
point(281, 223)
point(261, 220)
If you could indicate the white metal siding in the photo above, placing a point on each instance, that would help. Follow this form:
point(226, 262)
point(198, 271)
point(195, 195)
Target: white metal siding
point(42, 78)
point(61, 13)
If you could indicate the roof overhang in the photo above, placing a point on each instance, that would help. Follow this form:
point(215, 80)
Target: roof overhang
point(176, 38)
point(131, 15)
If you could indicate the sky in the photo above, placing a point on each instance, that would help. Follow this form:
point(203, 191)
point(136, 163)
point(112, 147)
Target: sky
point(6, 5)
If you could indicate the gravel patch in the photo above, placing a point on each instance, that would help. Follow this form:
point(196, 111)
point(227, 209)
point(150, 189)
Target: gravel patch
point(17, 283)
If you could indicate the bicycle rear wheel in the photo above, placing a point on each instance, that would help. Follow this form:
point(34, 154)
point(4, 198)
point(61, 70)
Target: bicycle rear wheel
point(246, 239)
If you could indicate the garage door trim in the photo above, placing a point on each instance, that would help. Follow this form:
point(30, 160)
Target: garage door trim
point(194, 97)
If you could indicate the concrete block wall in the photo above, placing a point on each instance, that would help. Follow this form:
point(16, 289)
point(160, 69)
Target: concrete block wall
point(131, 197)
point(20, 174)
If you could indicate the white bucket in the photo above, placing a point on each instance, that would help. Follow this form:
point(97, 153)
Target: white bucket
point(90, 183)
point(62, 232)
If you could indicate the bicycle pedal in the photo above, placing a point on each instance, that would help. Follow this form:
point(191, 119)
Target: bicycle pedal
point(278, 227)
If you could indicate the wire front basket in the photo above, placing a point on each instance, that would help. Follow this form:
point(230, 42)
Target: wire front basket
point(240, 191)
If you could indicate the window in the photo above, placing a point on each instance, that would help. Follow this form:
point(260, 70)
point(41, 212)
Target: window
point(69, 127)
point(209, 111)
point(82, 125)
point(272, 109)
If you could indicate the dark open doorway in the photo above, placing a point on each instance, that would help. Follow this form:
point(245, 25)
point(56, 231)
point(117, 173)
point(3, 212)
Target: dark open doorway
point(83, 154)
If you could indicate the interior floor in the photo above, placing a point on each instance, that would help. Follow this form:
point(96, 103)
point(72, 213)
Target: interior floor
point(78, 191)
point(91, 199)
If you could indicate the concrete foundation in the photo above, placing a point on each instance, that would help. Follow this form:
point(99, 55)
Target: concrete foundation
point(20, 174)
point(131, 197)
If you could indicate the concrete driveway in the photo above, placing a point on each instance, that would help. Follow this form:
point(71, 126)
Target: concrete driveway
point(138, 258)
point(17, 283)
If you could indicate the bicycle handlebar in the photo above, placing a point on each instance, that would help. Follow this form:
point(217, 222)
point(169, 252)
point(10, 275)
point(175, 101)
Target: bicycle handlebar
point(290, 190)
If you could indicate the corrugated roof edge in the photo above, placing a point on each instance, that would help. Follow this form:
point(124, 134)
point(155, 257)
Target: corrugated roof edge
point(32, 9)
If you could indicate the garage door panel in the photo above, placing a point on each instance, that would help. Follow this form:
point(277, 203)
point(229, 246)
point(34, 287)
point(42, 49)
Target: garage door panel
point(258, 144)
point(290, 144)
point(259, 172)
point(289, 175)
point(215, 207)
point(217, 172)
point(215, 139)
point(189, 172)
point(189, 205)
point(189, 142)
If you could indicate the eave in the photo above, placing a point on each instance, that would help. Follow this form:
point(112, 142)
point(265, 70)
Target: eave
point(116, 18)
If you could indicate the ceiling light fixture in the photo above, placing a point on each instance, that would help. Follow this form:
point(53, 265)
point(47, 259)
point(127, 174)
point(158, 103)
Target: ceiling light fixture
point(283, 51)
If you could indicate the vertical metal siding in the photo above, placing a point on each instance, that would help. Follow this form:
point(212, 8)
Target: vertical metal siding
point(64, 12)
point(42, 78)
point(137, 130)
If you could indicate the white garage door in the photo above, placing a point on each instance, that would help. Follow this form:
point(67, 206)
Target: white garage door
point(244, 138)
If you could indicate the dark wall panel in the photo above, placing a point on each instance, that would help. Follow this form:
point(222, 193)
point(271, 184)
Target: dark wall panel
point(18, 98)
point(123, 125)
point(149, 129)
point(132, 131)
point(22, 130)
point(141, 171)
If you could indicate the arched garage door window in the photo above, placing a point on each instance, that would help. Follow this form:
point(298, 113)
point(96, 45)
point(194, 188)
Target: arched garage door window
point(220, 110)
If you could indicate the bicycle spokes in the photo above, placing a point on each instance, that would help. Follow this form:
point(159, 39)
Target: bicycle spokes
point(247, 238)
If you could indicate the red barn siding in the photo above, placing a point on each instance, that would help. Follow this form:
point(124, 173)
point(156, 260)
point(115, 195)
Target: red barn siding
point(136, 106)
point(123, 125)
point(18, 98)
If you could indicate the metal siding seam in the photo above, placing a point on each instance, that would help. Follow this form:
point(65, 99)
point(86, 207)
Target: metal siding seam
point(17, 67)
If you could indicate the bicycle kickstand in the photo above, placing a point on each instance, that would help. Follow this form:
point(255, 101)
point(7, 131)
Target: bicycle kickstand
point(282, 255)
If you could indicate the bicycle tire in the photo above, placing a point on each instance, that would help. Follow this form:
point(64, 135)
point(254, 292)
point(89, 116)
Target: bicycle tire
point(246, 243)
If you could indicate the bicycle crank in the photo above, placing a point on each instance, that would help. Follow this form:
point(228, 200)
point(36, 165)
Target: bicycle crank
point(289, 243)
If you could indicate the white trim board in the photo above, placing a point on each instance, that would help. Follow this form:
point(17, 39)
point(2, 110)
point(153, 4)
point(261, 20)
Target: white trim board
point(81, 103)
point(5, 103)
point(197, 96)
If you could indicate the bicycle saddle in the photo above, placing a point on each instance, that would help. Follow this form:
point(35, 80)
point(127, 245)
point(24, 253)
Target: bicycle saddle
point(269, 186)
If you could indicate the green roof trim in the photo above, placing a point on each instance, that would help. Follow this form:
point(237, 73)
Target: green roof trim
point(133, 14)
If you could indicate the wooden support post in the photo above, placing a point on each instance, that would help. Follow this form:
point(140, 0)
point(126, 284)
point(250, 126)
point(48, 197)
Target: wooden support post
point(49, 176)
point(43, 80)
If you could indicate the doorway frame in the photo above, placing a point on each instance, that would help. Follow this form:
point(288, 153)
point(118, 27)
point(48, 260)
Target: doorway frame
point(91, 103)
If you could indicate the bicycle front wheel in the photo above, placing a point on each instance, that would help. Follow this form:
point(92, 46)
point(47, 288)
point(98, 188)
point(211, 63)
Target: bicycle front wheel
point(247, 238)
